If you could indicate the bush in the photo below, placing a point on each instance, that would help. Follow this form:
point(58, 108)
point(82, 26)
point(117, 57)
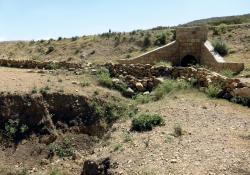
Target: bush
point(64, 150)
point(44, 90)
point(146, 122)
point(160, 40)
point(50, 49)
point(142, 99)
point(53, 66)
point(212, 91)
point(228, 73)
point(146, 41)
point(15, 129)
point(221, 47)
point(221, 29)
point(104, 78)
point(169, 85)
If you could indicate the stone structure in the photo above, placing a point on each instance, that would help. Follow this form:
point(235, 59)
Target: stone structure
point(191, 47)
point(145, 77)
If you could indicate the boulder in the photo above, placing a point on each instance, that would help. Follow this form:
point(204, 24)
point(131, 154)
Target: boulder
point(98, 167)
point(139, 86)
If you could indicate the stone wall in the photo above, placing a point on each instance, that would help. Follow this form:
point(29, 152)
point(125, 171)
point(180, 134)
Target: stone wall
point(145, 77)
point(31, 64)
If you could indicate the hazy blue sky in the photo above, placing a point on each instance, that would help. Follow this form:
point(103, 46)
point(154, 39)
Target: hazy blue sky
point(35, 19)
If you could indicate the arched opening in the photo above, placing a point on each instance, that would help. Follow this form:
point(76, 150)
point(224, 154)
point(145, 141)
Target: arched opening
point(188, 60)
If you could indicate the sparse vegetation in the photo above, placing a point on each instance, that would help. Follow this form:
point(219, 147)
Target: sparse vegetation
point(221, 47)
point(44, 90)
point(118, 147)
point(160, 40)
point(53, 66)
point(34, 90)
point(163, 63)
point(146, 41)
point(50, 49)
point(104, 78)
point(212, 91)
point(14, 129)
point(178, 131)
point(146, 122)
point(143, 98)
point(63, 150)
point(168, 86)
point(228, 73)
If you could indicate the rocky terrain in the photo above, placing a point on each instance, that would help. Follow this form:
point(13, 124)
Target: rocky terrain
point(67, 108)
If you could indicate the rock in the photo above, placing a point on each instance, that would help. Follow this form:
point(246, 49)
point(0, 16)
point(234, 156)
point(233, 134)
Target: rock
point(129, 92)
point(47, 139)
point(139, 87)
point(76, 155)
point(90, 168)
point(71, 69)
point(158, 80)
point(242, 92)
point(75, 82)
point(98, 167)
point(146, 93)
point(93, 71)
point(173, 161)
point(115, 80)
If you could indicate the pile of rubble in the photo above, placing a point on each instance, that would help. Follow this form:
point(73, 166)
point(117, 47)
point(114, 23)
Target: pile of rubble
point(145, 77)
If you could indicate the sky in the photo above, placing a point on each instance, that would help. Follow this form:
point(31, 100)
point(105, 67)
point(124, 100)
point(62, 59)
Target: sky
point(44, 19)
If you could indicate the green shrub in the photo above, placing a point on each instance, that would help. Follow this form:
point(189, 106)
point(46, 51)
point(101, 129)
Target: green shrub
point(228, 73)
point(118, 147)
point(146, 122)
point(169, 85)
point(221, 47)
point(34, 90)
point(63, 150)
point(160, 40)
point(212, 91)
point(142, 98)
point(14, 128)
point(53, 66)
point(55, 172)
point(111, 109)
point(50, 49)
point(221, 29)
point(44, 90)
point(104, 78)
point(74, 38)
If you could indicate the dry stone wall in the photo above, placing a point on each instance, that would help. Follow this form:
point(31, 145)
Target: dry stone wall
point(145, 77)
point(31, 64)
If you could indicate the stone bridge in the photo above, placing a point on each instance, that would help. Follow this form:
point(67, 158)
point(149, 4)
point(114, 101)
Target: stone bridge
point(191, 47)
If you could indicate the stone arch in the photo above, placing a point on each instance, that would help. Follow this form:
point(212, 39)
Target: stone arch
point(188, 60)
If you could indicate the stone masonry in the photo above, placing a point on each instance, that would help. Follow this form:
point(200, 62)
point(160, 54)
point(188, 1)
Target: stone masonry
point(191, 47)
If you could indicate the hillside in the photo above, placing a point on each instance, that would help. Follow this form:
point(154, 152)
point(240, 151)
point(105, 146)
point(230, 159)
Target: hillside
point(240, 19)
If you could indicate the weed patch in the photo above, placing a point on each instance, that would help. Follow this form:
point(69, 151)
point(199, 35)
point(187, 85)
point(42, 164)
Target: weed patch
point(146, 122)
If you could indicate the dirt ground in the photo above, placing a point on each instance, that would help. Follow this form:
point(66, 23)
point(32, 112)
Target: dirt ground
point(216, 136)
